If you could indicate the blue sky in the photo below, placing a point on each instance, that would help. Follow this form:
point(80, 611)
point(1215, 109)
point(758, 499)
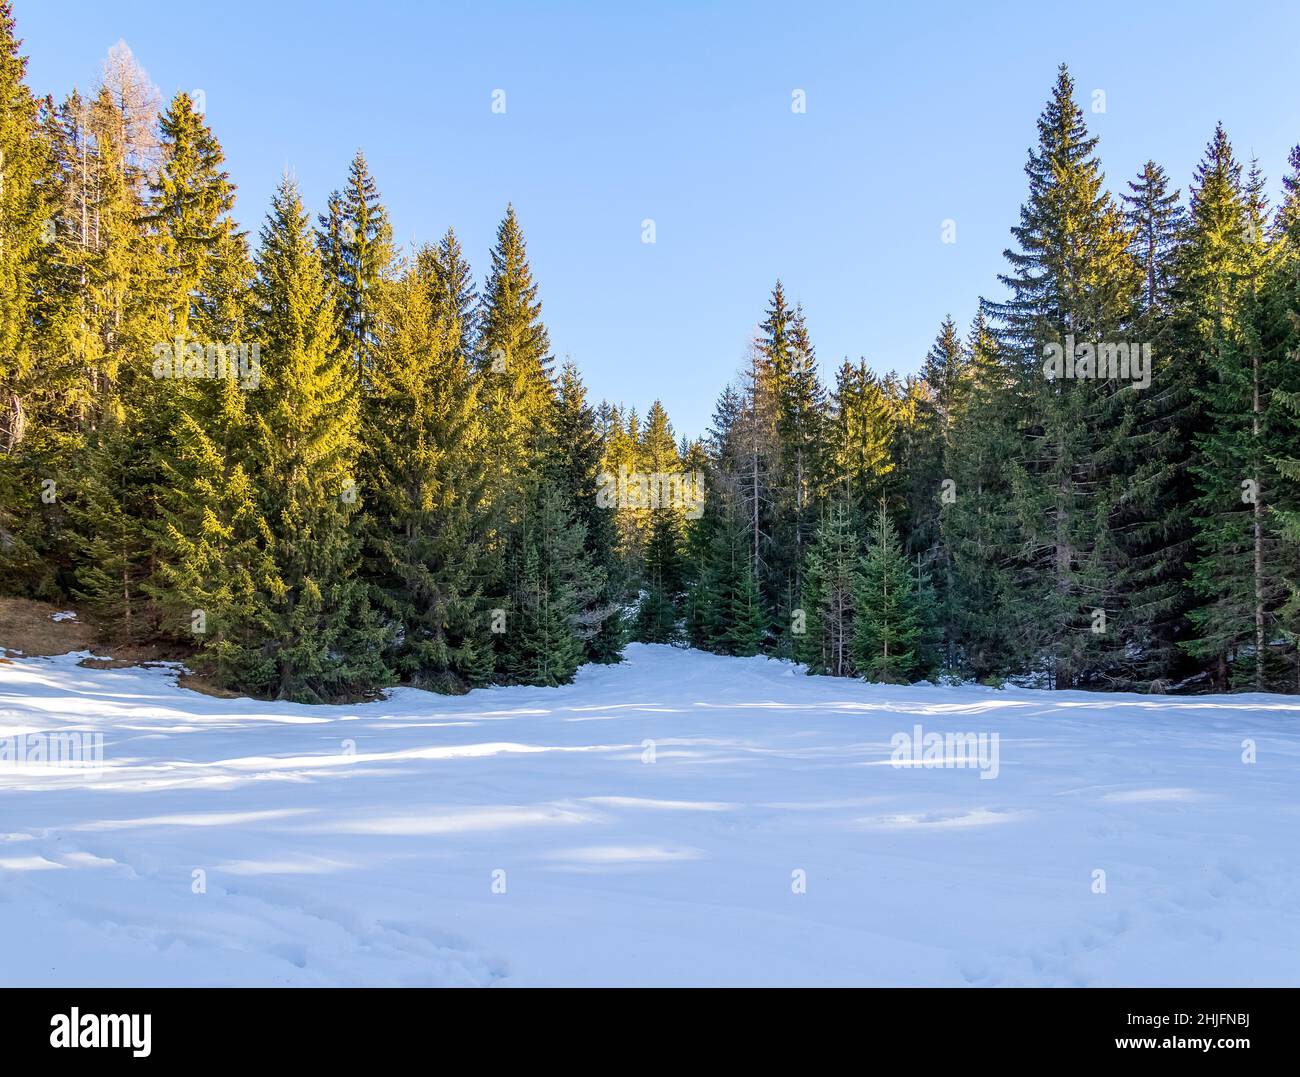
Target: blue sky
point(681, 112)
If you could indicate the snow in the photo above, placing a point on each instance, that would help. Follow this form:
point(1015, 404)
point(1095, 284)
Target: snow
point(647, 825)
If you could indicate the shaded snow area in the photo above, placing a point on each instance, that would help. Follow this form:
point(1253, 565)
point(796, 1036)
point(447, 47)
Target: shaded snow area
point(679, 819)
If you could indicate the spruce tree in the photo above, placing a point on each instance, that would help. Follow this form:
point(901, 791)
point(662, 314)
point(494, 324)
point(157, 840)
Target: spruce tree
point(456, 297)
point(25, 212)
point(976, 514)
point(862, 425)
point(316, 625)
point(214, 560)
point(1153, 520)
point(700, 565)
point(745, 624)
point(1235, 573)
point(421, 467)
point(553, 588)
point(657, 614)
point(356, 243)
point(829, 587)
point(931, 407)
point(191, 197)
point(37, 377)
point(515, 367)
point(730, 611)
point(1155, 219)
point(206, 541)
point(800, 433)
point(1071, 281)
point(659, 520)
point(575, 465)
point(887, 618)
point(129, 413)
point(1280, 319)
point(775, 439)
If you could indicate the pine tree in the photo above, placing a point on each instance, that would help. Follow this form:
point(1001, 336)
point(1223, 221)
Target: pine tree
point(189, 211)
point(24, 215)
point(932, 403)
point(456, 297)
point(829, 584)
point(1280, 319)
point(862, 427)
point(116, 325)
point(515, 368)
point(323, 639)
point(976, 519)
point(423, 436)
point(1235, 575)
point(34, 378)
point(1071, 279)
point(356, 243)
point(887, 618)
point(1152, 520)
point(1155, 219)
point(553, 585)
point(575, 467)
point(207, 543)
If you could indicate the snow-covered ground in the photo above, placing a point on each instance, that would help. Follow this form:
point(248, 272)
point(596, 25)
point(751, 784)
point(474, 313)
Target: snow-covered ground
point(647, 825)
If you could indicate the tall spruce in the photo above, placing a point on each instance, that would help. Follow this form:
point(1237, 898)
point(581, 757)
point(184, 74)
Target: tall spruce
point(514, 353)
point(1154, 518)
point(1236, 574)
point(421, 467)
point(976, 520)
point(1280, 318)
point(130, 412)
point(575, 464)
point(316, 625)
point(33, 447)
point(1071, 282)
point(208, 540)
point(356, 244)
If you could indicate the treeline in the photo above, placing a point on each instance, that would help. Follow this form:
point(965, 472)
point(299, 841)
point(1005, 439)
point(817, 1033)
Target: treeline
point(324, 465)
point(1094, 486)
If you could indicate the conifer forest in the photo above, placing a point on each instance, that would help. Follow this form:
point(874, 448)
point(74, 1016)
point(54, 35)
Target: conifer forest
point(319, 463)
point(537, 494)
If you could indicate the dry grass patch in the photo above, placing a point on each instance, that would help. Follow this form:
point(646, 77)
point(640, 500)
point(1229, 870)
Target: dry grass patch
point(28, 628)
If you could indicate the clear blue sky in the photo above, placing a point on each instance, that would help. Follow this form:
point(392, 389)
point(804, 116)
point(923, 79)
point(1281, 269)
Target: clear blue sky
point(680, 112)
